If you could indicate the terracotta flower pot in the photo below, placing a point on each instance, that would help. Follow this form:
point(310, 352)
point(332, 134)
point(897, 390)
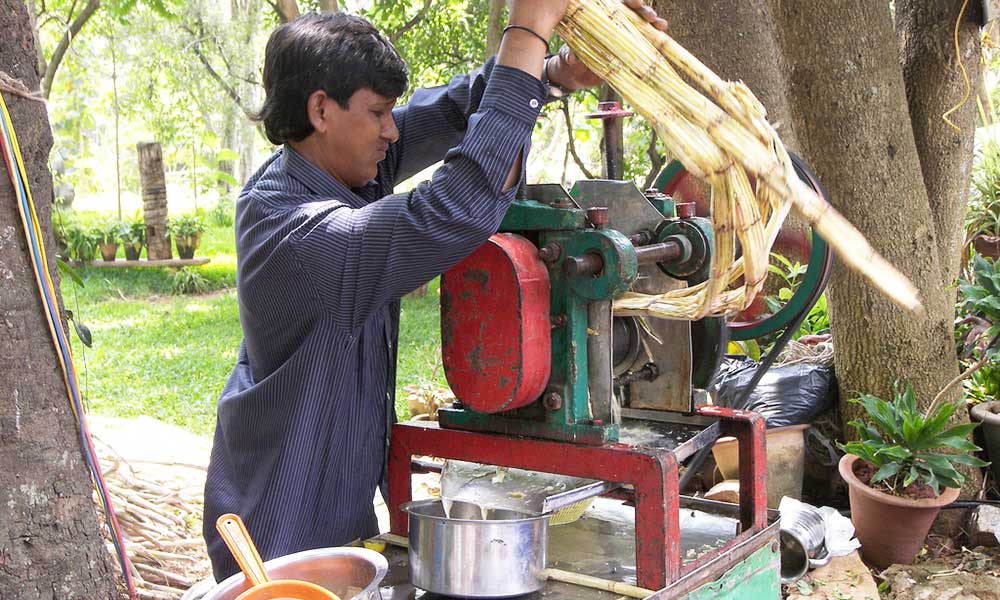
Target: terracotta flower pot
point(988, 415)
point(891, 529)
point(987, 245)
point(108, 251)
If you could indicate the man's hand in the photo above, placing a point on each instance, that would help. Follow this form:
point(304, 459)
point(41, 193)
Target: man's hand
point(569, 74)
point(541, 16)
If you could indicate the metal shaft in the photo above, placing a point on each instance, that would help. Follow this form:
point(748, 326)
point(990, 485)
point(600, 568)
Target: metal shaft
point(591, 264)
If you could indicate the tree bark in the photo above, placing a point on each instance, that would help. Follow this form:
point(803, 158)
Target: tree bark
point(52, 545)
point(57, 55)
point(934, 85)
point(154, 200)
point(329, 6)
point(494, 27)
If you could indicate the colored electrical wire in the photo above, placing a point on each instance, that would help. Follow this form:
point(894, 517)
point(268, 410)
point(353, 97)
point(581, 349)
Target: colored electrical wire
point(32, 229)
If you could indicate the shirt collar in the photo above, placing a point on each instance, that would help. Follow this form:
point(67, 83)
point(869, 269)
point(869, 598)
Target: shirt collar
point(320, 182)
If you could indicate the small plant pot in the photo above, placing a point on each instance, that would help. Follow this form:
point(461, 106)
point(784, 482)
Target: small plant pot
point(891, 529)
point(108, 252)
point(785, 461)
point(987, 245)
point(132, 251)
point(187, 245)
point(988, 415)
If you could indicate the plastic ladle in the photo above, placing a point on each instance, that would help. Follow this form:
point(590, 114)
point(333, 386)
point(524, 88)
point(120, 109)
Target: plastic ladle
point(234, 533)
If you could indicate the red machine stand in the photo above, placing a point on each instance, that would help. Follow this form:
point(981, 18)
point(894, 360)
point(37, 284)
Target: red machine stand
point(653, 474)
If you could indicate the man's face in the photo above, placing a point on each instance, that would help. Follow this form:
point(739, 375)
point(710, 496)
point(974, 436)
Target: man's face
point(354, 140)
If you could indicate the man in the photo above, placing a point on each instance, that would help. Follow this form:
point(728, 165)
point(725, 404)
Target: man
point(326, 251)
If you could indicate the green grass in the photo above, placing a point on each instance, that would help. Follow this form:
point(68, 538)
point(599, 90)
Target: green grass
point(169, 356)
point(165, 358)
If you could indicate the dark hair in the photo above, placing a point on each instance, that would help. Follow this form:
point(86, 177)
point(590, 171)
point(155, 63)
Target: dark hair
point(334, 52)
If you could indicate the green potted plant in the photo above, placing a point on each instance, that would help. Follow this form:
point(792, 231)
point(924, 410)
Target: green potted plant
point(81, 242)
point(980, 328)
point(901, 472)
point(134, 238)
point(111, 234)
point(982, 219)
point(186, 231)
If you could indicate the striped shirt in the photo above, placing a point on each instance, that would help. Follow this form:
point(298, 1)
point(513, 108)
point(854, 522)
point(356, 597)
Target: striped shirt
point(303, 421)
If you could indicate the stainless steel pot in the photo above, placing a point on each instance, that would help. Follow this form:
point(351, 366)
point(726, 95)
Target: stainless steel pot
point(466, 555)
point(351, 573)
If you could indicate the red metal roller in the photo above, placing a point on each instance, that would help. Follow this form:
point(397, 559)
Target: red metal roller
point(495, 331)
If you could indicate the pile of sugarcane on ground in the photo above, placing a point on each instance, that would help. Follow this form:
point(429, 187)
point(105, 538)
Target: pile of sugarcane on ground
point(720, 132)
point(159, 509)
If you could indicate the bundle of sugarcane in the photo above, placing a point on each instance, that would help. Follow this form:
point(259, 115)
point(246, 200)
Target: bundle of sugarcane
point(719, 131)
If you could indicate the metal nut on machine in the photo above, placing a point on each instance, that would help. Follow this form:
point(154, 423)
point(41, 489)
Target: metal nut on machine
point(552, 401)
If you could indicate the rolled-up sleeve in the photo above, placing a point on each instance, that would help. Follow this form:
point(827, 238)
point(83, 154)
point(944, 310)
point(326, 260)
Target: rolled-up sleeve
point(358, 259)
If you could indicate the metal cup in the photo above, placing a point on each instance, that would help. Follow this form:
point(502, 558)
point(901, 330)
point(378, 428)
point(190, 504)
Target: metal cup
point(803, 543)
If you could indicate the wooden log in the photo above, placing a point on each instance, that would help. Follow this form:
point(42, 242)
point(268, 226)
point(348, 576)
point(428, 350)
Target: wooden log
point(154, 199)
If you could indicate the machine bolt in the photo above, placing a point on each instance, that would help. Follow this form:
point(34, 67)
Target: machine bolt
point(598, 216)
point(686, 210)
point(550, 252)
point(558, 321)
point(552, 401)
point(457, 405)
point(774, 547)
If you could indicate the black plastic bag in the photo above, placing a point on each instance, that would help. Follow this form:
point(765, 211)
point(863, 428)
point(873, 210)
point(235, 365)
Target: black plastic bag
point(786, 395)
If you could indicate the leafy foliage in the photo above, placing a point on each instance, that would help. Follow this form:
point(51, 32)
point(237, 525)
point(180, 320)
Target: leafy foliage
point(906, 446)
point(189, 281)
point(185, 226)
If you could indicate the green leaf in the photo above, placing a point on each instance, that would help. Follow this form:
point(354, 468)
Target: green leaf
point(911, 476)
point(887, 470)
point(226, 154)
point(803, 587)
point(69, 271)
point(785, 294)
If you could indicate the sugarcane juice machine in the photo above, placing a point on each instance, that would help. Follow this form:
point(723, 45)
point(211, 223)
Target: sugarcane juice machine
point(546, 377)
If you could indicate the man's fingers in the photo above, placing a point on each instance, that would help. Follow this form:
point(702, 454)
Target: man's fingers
point(647, 13)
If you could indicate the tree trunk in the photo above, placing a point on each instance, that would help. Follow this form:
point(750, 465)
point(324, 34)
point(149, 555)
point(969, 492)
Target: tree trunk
point(494, 27)
point(329, 6)
point(154, 200)
point(934, 85)
point(52, 542)
point(851, 113)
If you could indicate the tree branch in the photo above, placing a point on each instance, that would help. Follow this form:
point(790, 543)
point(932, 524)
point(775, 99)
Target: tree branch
point(226, 87)
point(286, 9)
point(571, 143)
point(395, 35)
point(656, 159)
point(60, 51)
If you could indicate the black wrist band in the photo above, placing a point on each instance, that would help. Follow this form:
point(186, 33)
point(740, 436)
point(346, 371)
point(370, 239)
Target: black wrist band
point(529, 30)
